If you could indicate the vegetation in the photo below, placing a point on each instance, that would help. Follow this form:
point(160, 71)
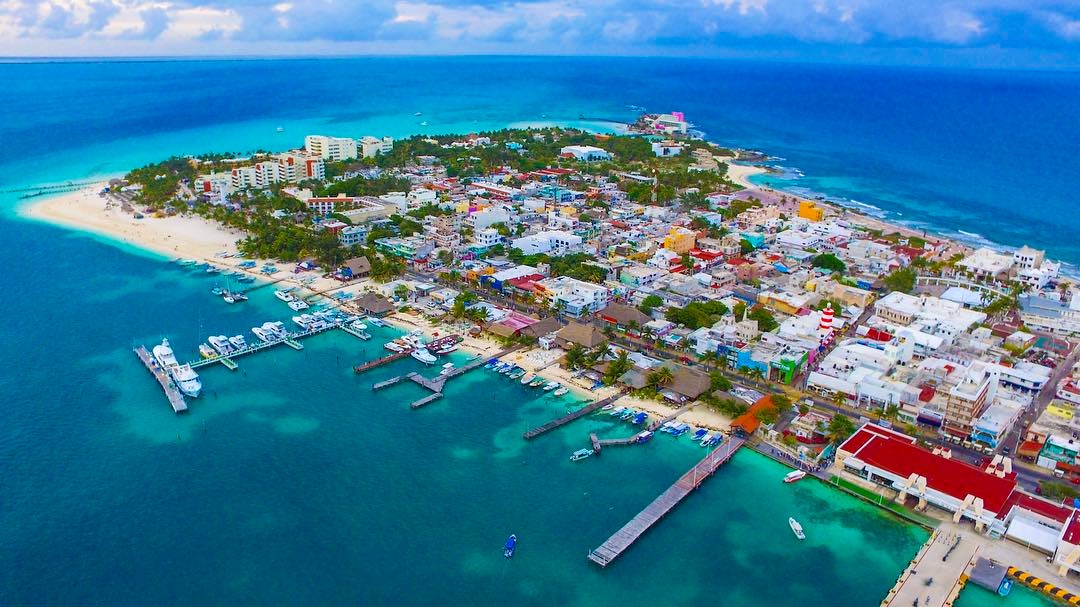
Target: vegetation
point(902, 280)
point(618, 368)
point(160, 181)
point(828, 261)
point(840, 427)
point(650, 303)
point(1057, 490)
point(697, 314)
point(765, 319)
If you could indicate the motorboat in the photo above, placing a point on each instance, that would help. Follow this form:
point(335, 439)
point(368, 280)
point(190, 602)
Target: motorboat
point(617, 412)
point(643, 436)
point(375, 322)
point(423, 356)
point(794, 475)
point(526, 378)
point(551, 385)
point(213, 270)
point(699, 434)
point(561, 391)
point(580, 454)
point(238, 342)
point(639, 418)
point(536, 383)
point(510, 546)
point(627, 414)
point(284, 295)
point(447, 369)
point(516, 373)
point(221, 344)
point(206, 351)
point(298, 304)
point(491, 363)
point(217, 290)
point(507, 369)
point(712, 440)
point(796, 528)
point(448, 348)
point(185, 377)
point(394, 346)
point(607, 407)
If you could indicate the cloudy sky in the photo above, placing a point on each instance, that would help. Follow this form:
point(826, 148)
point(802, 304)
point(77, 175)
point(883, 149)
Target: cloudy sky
point(1007, 33)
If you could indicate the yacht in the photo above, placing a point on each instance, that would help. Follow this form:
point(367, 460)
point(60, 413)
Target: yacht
point(185, 377)
point(298, 304)
point(277, 329)
point(261, 334)
point(793, 476)
point(303, 321)
point(423, 356)
point(284, 295)
point(796, 528)
point(395, 346)
point(238, 342)
point(221, 344)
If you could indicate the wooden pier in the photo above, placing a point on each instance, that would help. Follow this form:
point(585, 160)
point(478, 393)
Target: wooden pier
point(378, 362)
point(387, 383)
point(292, 340)
point(625, 537)
point(356, 332)
point(569, 417)
point(435, 385)
point(427, 399)
point(176, 399)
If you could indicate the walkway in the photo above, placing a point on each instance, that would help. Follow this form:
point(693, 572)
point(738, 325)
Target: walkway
point(569, 417)
point(936, 575)
point(625, 537)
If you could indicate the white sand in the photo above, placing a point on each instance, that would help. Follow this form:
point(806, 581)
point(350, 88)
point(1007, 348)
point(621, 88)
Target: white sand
point(740, 173)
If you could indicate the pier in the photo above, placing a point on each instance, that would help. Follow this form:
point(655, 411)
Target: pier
point(435, 385)
point(292, 340)
point(569, 417)
point(176, 399)
point(625, 537)
point(378, 362)
point(937, 564)
point(387, 383)
point(427, 399)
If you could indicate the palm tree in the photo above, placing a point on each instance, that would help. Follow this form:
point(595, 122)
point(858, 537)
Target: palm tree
point(661, 377)
point(575, 356)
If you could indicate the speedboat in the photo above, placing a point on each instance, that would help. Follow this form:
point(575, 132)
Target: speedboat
point(699, 434)
point(284, 295)
point(617, 412)
point(561, 391)
point(213, 270)
point(526, 378)
point(796, 528)
point(516, 373)
point(536, 383)
point(709, 441)
point(238, 342)
point(510, 547)
point(491, 363)
point(237, 295)
point(507, 369)
point(580, 454)
point(394, 346)
point(423, 356)
point(793, 476)
point(639, 418)
point(221, 344)
point(298, 304)
point(448, 348)
point(375, 322)
point(551, 385)
point(217, 290)
point(607, 407)
point(207, 352)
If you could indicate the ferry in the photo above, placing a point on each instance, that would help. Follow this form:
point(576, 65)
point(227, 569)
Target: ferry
point(793, 476)
point(510, 547)
point(580, 454)
point(185, 377)
point(423, 356)
point(796, 528)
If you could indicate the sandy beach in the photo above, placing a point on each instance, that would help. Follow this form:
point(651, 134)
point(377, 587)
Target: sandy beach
point(741, 173)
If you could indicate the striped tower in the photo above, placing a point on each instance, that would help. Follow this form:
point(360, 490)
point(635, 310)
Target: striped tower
point(826, 319)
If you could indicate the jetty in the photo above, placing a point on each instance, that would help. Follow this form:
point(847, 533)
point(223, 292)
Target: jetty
point(630, 532)
point(569, 417)
point(176, 399)
point(427, 399)
point(936, 574)
point(292, 340)
point(378, 362)
point(435, 386)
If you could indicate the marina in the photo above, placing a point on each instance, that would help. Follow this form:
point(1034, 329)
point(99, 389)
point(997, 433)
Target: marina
point(172, 393)
point(434, 385)
point(622, 539)
point(569, 417)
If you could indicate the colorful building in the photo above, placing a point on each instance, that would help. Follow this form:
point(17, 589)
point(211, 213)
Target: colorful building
point(810, 210)
point(680, 240)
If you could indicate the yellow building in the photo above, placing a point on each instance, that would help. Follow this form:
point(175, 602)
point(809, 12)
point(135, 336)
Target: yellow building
point(680, 240)
point(811, 211)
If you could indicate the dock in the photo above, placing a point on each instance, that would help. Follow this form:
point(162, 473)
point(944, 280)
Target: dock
point(176, 399)
point(944, 559)
point(427, 399)
point(625, 537)
point(378, 362)
point(569, 417)
point(387, 383)
point(356, 333)
point(434, 385)
point(292, 340)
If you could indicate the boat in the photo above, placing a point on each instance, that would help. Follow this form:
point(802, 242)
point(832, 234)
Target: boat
point(246, 279)
point(187, 262)
point(375, 322)
point(261, 334)
point(561, 391)
point(212, 269)
point(526, 378)
point(617, 412)
point(207, 352)
point(235, 295)
point(793, 476)
point(238, 342)
point(423, 356)
point(284, 295)
point(281, 129)
point(510, 547)
point(507, 370)
point(679, 428)
point(395, 346)
point(185, 377)
point(447, 369)
point(580, 454)
point(247, 264)
point(639, 418)
point(536, 383)
point(217, 290)
point(423, 123)
point(516, 373)
point(607, 407)
point(643, 437)
point(551, 385)
point(446, 349)
point(796, 528)
point(1005, 587)
point(491, 363)
point(418, 114)
point(221, 344)
point(627, 414)
point(298, 304)
point(711, 440)
point(699, 434)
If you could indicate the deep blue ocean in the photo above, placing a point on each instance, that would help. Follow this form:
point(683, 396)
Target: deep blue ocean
point(291, 482)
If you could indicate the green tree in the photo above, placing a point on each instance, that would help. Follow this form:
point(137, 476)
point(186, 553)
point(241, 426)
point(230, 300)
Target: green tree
point(650, 303)
point(401, 292)
point(661, 377)
point(767, 415)
point(718, 382)
point(746, 247)
point(766, 321)
point(617, 368)
point(840, 427)
point(831, 262)
point(902, 280)
point(575, 356)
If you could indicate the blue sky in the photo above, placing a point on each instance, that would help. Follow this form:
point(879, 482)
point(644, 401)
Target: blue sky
point(992, 33)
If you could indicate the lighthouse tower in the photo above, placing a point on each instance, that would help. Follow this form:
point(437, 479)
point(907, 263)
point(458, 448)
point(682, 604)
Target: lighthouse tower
point(826, 319)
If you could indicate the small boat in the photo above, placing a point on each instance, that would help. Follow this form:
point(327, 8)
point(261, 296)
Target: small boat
point(510, 547)
point(281, 129)
point(607, 407)
point(526, 378)
point(639, 418)
point(447, 369)
point(796, 528)
point(551, 385)
point(246, 279)
point(516, 373)
point(418, 114)
point(617, 412)
point(217, 290)
point(206, 351)
point(580, 454)
point(284, 295)
point(561, 391)
point(1005, 587)
point(643, 437)
point(423, 356)
point(714, 439)
point(507, 369)
point(187, 262)
point(213, 270)
point(237, 295)
point(700, 434)
point(793, 476)
point(536, 383)
point(375, 322)
point(424, 123)
point(491, 363)
point(627, 414)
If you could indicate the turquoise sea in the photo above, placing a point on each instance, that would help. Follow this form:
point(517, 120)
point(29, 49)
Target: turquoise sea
point(290, 481)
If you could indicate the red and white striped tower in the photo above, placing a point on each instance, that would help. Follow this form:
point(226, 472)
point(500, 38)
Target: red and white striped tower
point(826, 319)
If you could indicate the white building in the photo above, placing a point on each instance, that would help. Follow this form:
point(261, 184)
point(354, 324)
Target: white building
point(575, 297)
point(986, 263)
point(330, 148)
point(487, 237)
point(552, 242)
point(585, 153)
point(1046, 315)
point(371, 147)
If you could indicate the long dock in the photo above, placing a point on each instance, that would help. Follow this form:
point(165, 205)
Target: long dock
point(378, 362)
point(630, 532)
point(435, 385)
point(569, 417)
point(176, 399)
point(427, 399)
point(292, 340)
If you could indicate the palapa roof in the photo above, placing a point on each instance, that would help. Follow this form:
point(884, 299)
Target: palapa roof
point(622, 314)
point(502, 330)
point(690, 383)
point(373, 303)
point(585, 335)
point(541, 328)
point(357, 265)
